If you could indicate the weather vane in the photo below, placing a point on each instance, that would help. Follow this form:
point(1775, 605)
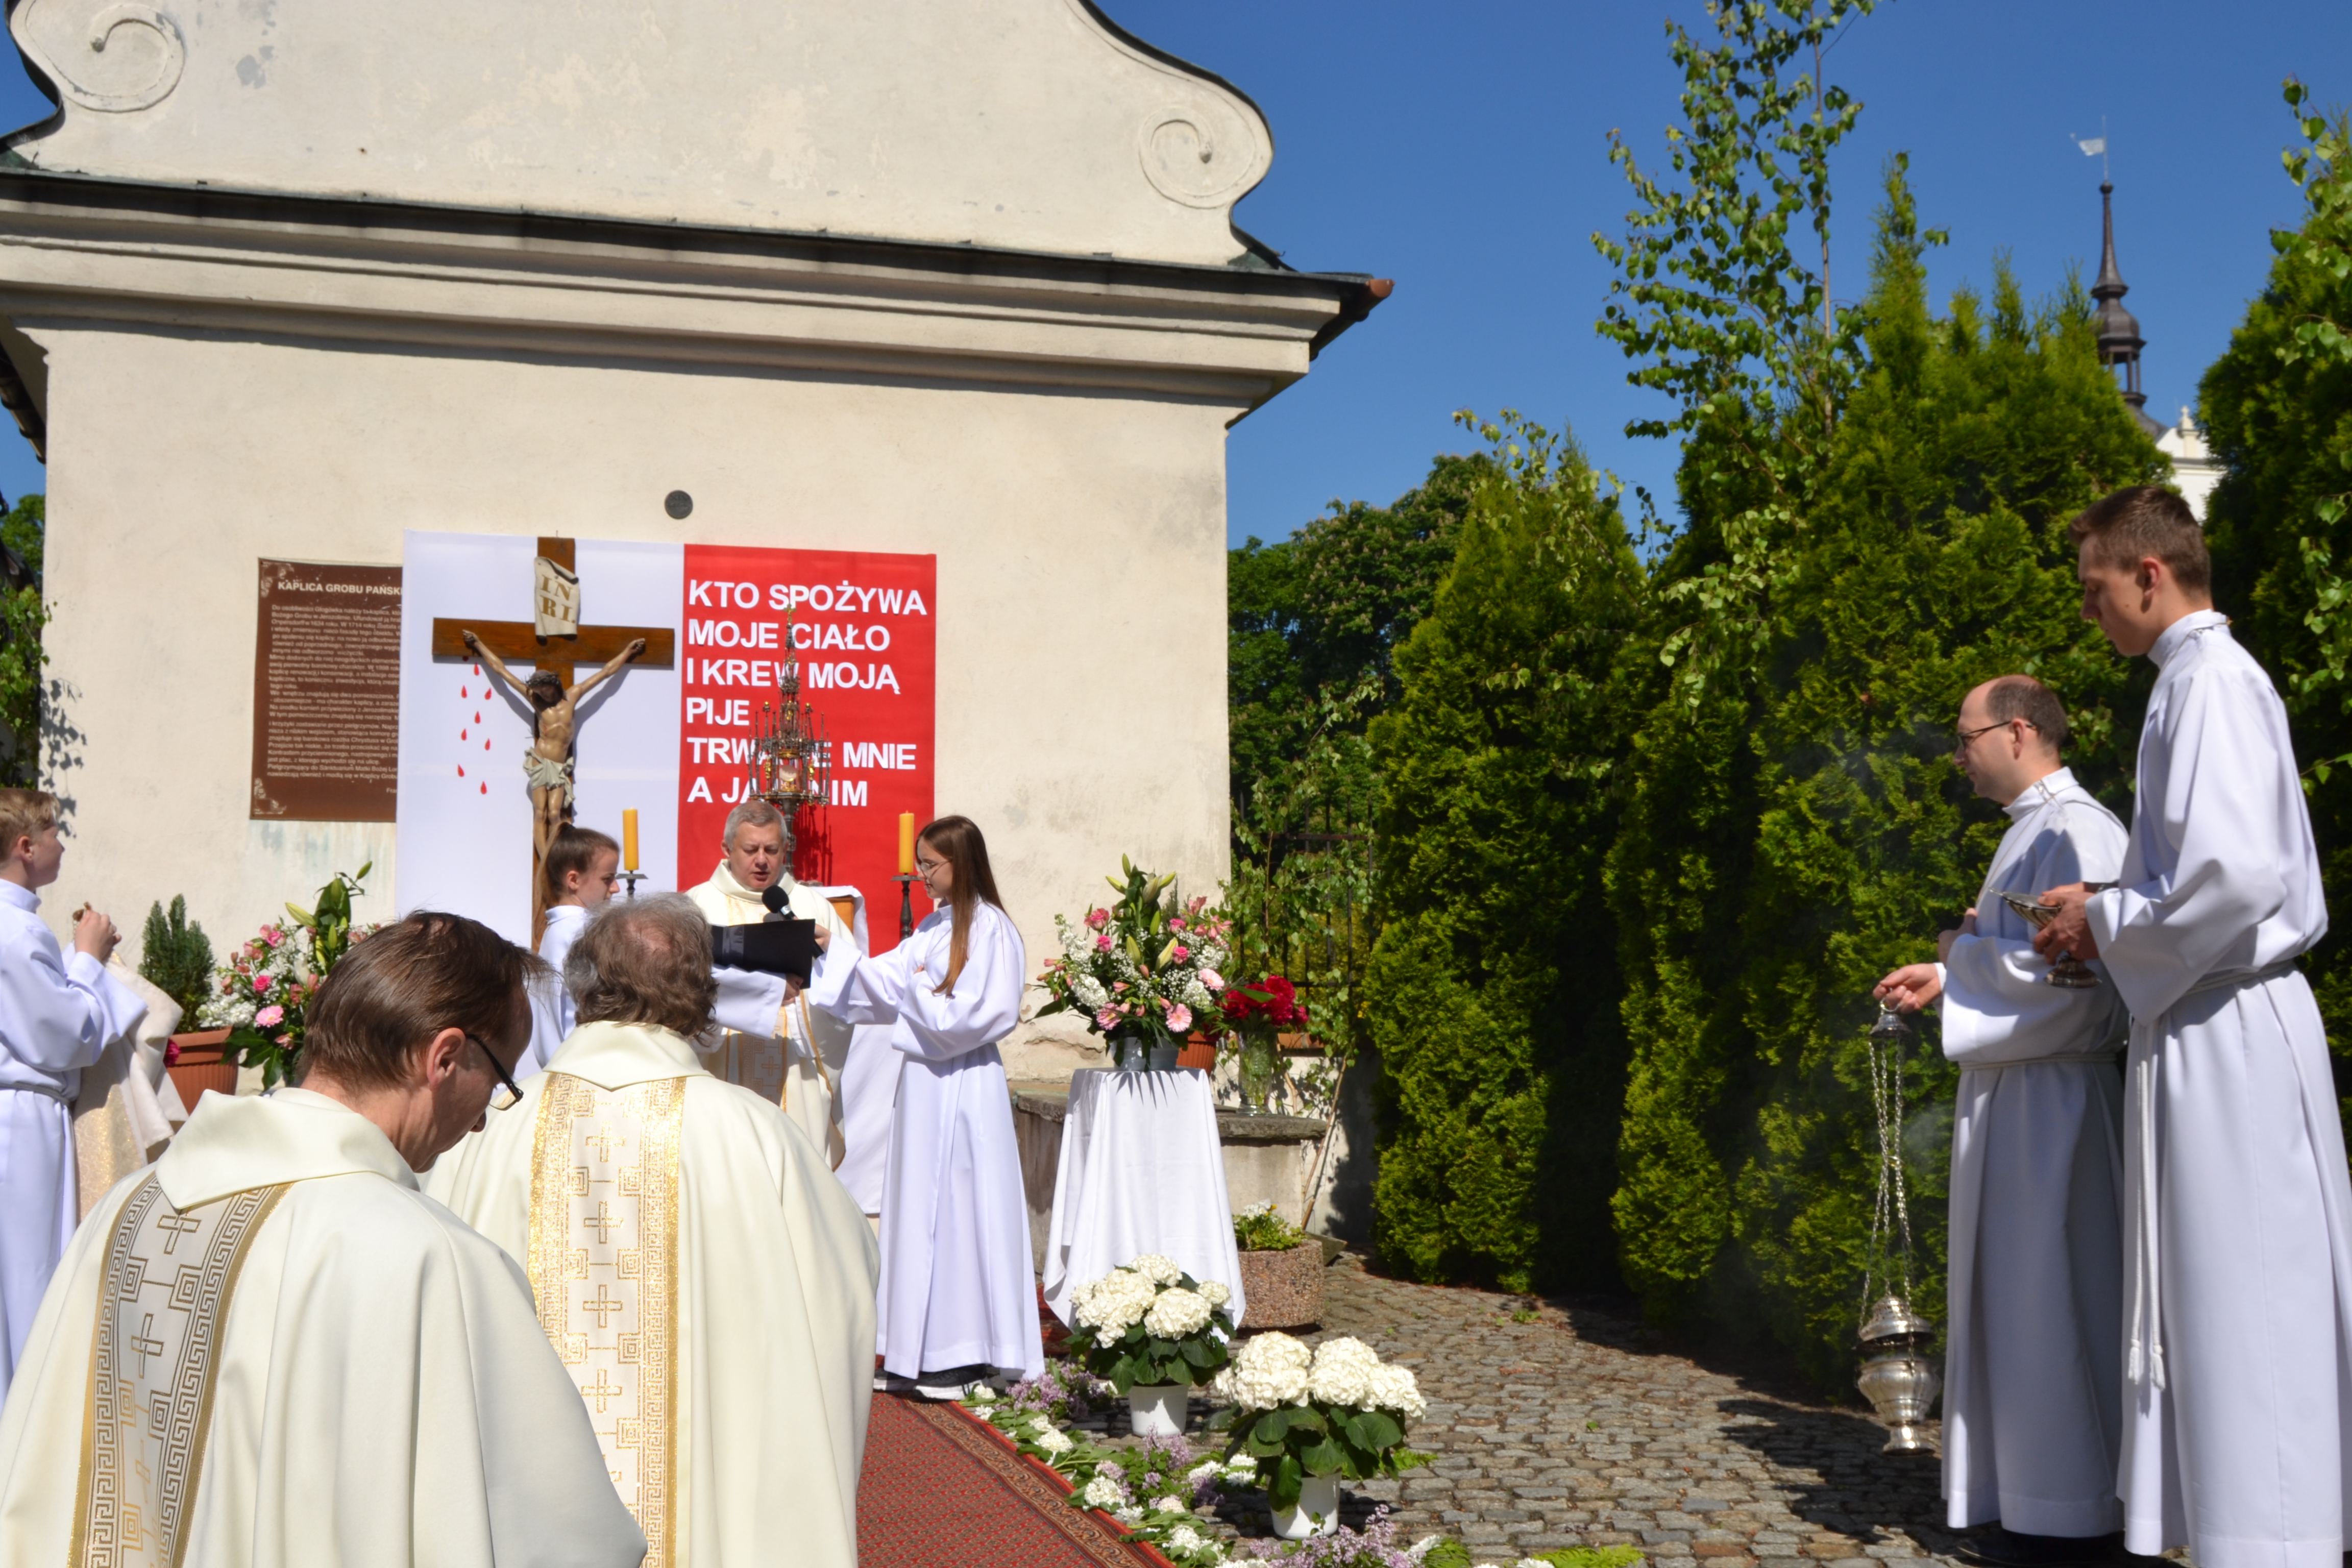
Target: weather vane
point(2095, 147)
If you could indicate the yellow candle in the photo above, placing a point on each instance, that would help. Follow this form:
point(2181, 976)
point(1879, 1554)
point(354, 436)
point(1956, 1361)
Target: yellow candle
point(905, 842)
point(629, 839)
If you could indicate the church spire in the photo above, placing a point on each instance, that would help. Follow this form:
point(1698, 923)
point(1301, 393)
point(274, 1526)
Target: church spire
point(2120, 339)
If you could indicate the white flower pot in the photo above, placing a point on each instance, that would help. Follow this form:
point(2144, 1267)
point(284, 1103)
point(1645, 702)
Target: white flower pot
point(1156, 1409)
point(1317, 1512)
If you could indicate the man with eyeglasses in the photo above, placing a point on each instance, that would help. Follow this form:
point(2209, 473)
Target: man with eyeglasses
point(711, 1282)
point(271, 1348)
point(2033, 1356)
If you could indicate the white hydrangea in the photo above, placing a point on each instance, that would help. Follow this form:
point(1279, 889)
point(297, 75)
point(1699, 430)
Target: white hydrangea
point(1158, 1270)
point(1342, 1372)
point(1419, 1550)
point(1053, 1441)
point(1532, 1563)
point(1172, 1503)
point(1395, 1388)
point(1177, 1312)
point(981, 1394)
point(1269, 1372)
point(1114, 1303)
point(1205, 1471)
point(1215, 1294)
point(1184, 1538)
point(1104, 1493)
point(1129, 1516)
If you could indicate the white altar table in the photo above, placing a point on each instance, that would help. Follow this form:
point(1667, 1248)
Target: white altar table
point(1141, 1171)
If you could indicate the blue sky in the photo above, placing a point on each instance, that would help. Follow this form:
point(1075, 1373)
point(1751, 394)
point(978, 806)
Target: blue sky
point(1460, 149)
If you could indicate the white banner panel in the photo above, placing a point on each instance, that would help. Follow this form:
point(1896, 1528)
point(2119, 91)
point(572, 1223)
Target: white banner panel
point(464, 821)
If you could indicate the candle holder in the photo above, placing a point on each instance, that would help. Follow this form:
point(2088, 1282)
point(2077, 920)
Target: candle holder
point(633, 876)
point(905, 880)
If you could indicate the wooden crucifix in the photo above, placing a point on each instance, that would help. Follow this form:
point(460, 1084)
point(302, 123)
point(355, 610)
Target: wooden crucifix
point(554, 642)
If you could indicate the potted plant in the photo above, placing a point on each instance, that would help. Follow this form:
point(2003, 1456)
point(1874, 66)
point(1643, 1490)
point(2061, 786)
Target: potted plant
point(1282, 1270)
point(266, 988)
point(1139, 972)
point(1153, 1331)
point(1259, 1018)
point(1312, 1418)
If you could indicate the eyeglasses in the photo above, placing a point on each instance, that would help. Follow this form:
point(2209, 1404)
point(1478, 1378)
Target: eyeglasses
point(1961, 738)
point(508, 1094)
point(930, 867)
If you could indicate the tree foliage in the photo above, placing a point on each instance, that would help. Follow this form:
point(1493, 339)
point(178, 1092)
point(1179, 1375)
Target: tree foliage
point(23, 615)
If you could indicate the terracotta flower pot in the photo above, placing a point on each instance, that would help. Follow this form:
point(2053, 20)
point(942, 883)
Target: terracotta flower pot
point(1198, 1051)
point(198, 1065)
point(1283, 1289)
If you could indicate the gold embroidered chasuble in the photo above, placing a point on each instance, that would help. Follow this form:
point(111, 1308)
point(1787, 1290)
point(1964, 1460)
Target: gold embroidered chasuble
point(155, 1358)
point(604, 1268)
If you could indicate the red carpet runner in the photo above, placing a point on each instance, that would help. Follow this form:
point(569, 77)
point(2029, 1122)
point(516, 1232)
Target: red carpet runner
point(940, 1491)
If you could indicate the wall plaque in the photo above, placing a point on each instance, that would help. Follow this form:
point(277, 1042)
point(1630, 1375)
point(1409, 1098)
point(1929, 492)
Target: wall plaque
point(326, 692)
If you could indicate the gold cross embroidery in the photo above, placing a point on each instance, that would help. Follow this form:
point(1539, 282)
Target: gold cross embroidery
point(601, 1222)
point(144, 1344)
point(603, 1143)
point(602, 1390)
point(178, 1224)
point(602, 1305)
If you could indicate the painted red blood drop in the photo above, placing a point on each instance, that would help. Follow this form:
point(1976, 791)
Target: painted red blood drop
point(486, 743)
point(477, 716)
point(463, 736)
point(461, 769)
point(486, 789)
point(461, 691)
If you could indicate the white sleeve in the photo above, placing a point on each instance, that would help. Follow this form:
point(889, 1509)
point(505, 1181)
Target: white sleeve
point(984, 1006)
point(58, 1014)
point(749, 1001)
point(1999, 1005)
point(2220, 795)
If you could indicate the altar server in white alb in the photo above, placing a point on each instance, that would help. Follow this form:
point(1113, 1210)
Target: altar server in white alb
point(771, 1041)
point(2033, 1331)
point(709, 1285)
point(581, 870)
point(2237, 1238)
point(58, 1013)
point(269, 1348)
point(958, 1297)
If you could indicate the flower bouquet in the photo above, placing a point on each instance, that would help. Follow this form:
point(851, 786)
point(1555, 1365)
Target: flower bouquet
point(266, 988)
point(1254, 1015)
point(1153, 1331)
point(1140, 972)
point(1312, 1417)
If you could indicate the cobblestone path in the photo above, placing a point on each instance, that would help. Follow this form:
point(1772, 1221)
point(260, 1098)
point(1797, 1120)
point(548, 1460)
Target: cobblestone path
point(1572, 1430)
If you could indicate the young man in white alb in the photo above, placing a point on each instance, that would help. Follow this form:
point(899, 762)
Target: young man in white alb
point(2238, 1235)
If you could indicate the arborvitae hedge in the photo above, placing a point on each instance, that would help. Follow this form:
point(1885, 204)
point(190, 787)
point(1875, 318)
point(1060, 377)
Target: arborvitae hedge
point(1492, 993)
point(1751, 864)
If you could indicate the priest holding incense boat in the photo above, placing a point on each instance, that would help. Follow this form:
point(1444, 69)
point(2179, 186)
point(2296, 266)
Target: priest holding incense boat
point(2238, 1238)
point(708, 1282)
point(2033, 1358)
point(269, 1348)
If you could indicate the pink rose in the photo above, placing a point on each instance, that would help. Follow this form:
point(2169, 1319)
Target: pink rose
point(1176, 924)
point(1102, 944)
point(1097, 919)
point(1107, 1020)
point(268, 1016)
point(1212, 980)
point(1180, 1018)
point(272, 935)
point(1179, 953)
point(261, 985)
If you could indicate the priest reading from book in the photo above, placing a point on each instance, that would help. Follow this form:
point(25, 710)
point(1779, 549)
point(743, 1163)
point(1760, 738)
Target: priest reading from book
point(959, 1298)
point(772, 1042)
point(582, 868)
point(2238, 1235)
point(2033, 1331)
point(270, 1349)
point(708, 1282)
point(58, 1013)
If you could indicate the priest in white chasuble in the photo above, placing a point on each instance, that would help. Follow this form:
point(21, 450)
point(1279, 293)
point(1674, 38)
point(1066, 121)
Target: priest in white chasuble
point(270, 1349)
point(2237, 1437)
point(790, 1054)
point(2032, 1332)
point(708, 1283)
point(959, 1295)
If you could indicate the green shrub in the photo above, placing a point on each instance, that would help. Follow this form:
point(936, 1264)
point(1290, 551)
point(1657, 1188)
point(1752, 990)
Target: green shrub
point(177, 957)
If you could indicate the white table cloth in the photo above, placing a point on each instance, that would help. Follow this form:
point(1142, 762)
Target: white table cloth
point(1142, 1171)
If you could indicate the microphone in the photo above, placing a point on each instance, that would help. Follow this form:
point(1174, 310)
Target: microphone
point(776, 900)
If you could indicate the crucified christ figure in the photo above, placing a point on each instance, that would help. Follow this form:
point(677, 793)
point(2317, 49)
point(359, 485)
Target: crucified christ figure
point(553, 719)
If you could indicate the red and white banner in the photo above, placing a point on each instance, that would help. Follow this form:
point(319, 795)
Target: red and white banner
point(671, 744)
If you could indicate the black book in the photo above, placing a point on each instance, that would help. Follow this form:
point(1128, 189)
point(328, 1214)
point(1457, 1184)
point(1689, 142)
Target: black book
point(784, 947)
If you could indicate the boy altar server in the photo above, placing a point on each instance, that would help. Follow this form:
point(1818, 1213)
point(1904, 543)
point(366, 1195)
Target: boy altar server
point(269, 1348)
point(57, 1016)
point(582, 868)
point(2238, 1240)
point(710, 1284)
point(2033, 1335)
point(772, 1042)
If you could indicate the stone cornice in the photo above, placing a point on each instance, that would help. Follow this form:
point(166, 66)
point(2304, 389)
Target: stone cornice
point(99, 253)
